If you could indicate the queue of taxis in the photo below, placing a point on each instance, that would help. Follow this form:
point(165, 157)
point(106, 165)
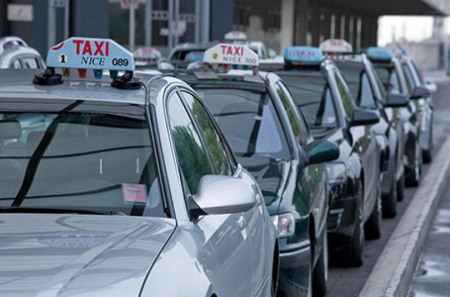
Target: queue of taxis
point(370, 94)
point(120, 184)
point(228, 174)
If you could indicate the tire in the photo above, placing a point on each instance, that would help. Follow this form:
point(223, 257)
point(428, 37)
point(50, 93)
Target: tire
point(320, 274)
point(401, 188)
point(413, 179)
point(352, 255)
point(426, 154)
point(373, 224)
point(390, 201)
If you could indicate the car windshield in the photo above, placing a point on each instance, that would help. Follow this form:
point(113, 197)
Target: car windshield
point(249, 122)
point(359, 83)
point(189, 55)
point(312, 95)
point(81, 156)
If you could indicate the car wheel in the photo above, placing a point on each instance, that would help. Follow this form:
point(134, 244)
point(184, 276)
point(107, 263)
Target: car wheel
point(401, 188)
point(352, 254)
point(427, 153)
point(373, 224)
point(414, 177)
point(390, 201)
point(320, 274)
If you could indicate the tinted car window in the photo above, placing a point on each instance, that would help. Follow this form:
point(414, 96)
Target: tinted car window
point(313, 96)
point(380, 85)
point(359, 85)
point(408, 78)
point(347, 100)
point(213, 141)
point(389, 78)
point(191, 153)
point(84, 159)
point(419, 74)
point(249, 122)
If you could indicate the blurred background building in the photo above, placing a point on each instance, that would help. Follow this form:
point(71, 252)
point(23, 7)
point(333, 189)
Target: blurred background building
point(166, 23)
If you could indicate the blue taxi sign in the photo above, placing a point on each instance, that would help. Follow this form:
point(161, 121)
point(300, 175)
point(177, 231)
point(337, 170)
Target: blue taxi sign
point(90, 53)
point(380, 54)
point(231, 54)
point(195, 56)
point(306, 55)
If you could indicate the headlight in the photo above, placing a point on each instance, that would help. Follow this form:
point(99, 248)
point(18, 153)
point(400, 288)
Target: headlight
point(285, 224)
point(337, 173)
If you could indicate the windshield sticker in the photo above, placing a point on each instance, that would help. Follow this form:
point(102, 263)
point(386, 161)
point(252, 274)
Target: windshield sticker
point(134, 193)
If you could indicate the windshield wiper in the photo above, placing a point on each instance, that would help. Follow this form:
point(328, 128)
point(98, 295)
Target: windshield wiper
point(18, 209)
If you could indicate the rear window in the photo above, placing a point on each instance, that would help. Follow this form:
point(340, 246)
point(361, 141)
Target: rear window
point(79, 157)
point(312, 95)
point(249, 122)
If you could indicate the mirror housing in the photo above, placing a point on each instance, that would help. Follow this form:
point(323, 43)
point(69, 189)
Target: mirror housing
point(362, 117)
point(419, 93)
point(219, 194)
point(396, 100)
point(321, 151)
point(431, 86)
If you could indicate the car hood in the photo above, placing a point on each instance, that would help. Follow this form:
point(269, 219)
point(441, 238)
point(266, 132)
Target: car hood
point(271, 175)
point(78, 255)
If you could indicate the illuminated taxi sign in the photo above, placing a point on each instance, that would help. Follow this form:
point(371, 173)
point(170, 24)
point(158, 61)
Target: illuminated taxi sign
point(303, 55)
point(231, 54)
point(90, 53)
point(337, 46)
point(236, 36)
point(380, 54)
point(147, 53)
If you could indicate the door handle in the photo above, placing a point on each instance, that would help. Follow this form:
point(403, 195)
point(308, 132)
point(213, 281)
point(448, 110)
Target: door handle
point(242, 223)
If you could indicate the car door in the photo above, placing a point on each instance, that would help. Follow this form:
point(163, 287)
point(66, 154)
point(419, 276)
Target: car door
point(313, 175)
point(226, 236)
point(365, 146)
point(255, 219)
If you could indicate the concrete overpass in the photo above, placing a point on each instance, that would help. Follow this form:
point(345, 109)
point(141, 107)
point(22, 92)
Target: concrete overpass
point(311, 21)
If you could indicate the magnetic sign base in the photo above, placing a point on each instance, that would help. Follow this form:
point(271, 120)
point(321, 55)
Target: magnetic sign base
point(126, 82)
point(48, 78)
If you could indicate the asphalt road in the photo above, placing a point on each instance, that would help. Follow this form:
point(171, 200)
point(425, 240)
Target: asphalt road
point(349, 282)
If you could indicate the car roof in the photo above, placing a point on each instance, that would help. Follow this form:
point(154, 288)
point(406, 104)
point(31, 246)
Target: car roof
point(14, 50)
point(17, 84)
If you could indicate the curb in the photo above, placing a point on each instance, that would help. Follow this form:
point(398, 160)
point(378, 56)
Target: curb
point(393, 272)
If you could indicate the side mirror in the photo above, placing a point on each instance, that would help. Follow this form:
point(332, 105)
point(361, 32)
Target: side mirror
point(321, 151)
point(396, 100)
point(218, 194)
point(419, 93)
point(364, 118)
point(431, 86)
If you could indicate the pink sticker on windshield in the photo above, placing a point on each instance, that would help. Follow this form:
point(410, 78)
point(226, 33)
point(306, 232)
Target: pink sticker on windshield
point(135, 193)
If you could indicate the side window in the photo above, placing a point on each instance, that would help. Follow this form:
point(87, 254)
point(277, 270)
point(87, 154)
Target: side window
point(15, 64)
point(367, 98)
point(346, 97)
point(408, 78)
point(191, 153)
point(299, 128)
point(30, 63)
point(395, 81)
point(212, 139)
point(419, 74)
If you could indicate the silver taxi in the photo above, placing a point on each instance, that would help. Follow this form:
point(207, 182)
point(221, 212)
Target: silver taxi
point(122, 188)
point(15, 53)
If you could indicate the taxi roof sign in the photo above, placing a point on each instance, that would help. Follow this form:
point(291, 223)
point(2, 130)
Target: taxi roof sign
point(305, 55)
point(380, 54)
point(90, 53)
point(148, 53)
point(337, 46)
point(236, 35)
point(231, 54)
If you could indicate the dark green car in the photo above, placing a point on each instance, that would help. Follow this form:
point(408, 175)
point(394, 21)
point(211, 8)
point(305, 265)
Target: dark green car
point(271, 140)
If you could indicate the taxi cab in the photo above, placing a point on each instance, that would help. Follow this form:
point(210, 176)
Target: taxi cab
point(370, 94)
point(322, 95)
point(15, 53)
point(118, 184)
point(391, 70)
point(270, 139)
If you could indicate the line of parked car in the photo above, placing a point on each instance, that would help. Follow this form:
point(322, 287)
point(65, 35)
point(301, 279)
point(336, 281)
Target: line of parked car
point(325, 138)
